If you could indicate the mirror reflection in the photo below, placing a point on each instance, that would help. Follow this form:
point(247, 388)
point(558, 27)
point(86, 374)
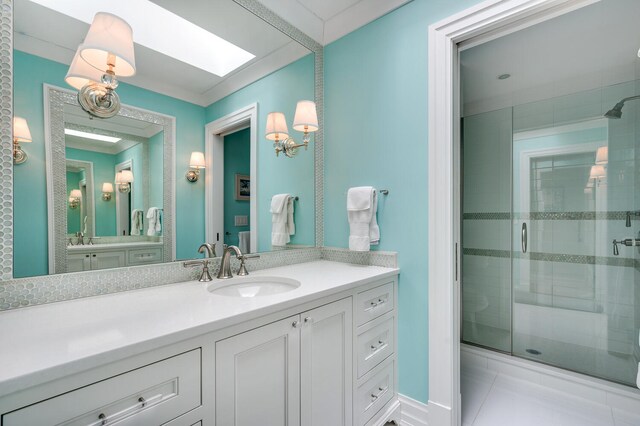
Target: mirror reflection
point(116, 193)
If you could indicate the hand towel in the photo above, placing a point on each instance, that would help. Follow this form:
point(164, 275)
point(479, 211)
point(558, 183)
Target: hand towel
point(243, 241)
point(136, 222)
point(282, 225)
point(154, 215)
point(362, 206)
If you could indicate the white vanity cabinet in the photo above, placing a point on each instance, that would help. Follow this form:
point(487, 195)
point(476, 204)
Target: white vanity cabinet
point(294, 371)
point(320, 359)
point(106, 256)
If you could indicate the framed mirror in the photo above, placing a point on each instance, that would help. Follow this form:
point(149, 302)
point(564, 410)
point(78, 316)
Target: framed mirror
point(181, 99)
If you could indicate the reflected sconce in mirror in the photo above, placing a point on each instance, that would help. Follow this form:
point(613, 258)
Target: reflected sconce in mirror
point(597, 173)
point(107, 189)
point(21, 133)
point(124, 179)
point(602, 155)
point(305, 120)
point(74, 198)
point(106, 54)
point(196, 163)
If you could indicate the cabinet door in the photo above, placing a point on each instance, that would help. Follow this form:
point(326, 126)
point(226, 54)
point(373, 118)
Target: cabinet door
point(107, 259)
point(326, 365)
point(257, 376)
point(77, 262)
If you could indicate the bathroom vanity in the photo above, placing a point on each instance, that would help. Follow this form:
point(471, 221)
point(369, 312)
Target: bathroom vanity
point(113, 255)
point(307, 344)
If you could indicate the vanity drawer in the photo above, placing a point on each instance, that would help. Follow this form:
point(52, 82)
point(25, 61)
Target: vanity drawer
point(146, 255)
point(375, 344)
point(372, 303)
point(375, 392)
point(150, 395)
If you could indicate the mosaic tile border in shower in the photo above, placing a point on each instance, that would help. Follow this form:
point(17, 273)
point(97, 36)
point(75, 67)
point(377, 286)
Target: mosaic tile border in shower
point(555, 257)
point(25, 292)
point(611, 215)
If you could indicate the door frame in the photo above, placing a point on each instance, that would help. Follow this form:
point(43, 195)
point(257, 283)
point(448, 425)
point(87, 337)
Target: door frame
point(214, 177)
point(481, 23)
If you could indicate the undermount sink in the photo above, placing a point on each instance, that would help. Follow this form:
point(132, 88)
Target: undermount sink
point(253, 286)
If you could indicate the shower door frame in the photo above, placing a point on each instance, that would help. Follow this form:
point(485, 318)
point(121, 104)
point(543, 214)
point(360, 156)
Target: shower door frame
point(481, 23)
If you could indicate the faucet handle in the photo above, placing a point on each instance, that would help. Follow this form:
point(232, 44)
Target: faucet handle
point(242, 271)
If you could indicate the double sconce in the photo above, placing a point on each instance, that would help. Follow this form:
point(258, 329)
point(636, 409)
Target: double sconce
point(305, 120)
point(196, 162)
point(106, 54)
point(74, 198)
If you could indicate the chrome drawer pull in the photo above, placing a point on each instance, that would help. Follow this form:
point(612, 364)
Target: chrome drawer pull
point(379, 346)
point(142, 403)
point(375, 304)
point(295, 324)
point(381, 391)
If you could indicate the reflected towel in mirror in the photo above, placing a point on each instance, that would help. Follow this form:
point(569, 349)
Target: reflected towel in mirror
point(136, 222)
point(154, 214)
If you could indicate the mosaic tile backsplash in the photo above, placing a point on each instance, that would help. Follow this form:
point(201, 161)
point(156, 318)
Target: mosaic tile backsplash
point(25, 292)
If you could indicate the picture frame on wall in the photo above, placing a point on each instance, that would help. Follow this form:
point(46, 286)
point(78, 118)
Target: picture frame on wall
point(243, 185)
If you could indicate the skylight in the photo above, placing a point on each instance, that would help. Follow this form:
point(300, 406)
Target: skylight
point(94, 136)
point(163, 31)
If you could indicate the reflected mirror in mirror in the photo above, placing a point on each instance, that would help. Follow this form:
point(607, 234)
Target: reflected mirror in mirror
point(278, 74)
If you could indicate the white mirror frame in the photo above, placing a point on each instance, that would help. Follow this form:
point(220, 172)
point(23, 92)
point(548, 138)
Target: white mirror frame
point(54, 101)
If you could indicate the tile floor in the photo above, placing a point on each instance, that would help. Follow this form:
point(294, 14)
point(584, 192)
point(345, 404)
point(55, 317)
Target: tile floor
point(490, 398)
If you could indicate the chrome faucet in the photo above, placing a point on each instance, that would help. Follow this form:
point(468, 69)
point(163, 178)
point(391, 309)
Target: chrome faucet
point(210, 248)
point(225, 263)
point(80, 238)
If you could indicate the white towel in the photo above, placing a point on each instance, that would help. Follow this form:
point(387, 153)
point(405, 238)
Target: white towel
point(136, 222)
point(362, 205)
point(243, 241)
point(282, 225)
point(154, 215)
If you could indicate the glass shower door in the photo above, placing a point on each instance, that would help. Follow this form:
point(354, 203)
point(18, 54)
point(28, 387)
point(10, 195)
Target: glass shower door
point(575, 189)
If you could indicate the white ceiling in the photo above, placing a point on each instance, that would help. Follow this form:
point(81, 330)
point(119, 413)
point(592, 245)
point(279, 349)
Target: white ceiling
point(596, 46)
point(326, 21)
point(55, 36)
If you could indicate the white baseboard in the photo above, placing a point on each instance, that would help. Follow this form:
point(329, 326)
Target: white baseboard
point(389, 413)
point(414, 413)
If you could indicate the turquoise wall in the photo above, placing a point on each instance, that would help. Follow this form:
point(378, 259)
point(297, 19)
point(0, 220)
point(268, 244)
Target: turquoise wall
point(103, 171)
point(73, 215)
point(155, 169)
point(376, 134)
point(279, 91)
point(30, 206)
point(236, 161)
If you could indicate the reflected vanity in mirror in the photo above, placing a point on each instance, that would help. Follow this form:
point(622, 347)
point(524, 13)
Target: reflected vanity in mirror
point(83, 204)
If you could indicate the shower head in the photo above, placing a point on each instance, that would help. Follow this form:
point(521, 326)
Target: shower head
point(616, 111)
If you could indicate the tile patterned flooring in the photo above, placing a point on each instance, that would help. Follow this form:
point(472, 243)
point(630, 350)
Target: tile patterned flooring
point(490, 398)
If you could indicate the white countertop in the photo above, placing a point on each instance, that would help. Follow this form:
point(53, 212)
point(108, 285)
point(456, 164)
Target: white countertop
point(46, 342)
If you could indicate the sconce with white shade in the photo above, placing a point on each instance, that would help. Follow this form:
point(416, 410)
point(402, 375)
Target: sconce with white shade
point(106, 54)
point(21, 133)
point(123, 180)
point(107, 189)
point(74, 198)
point(305, 120)
point(196, 162)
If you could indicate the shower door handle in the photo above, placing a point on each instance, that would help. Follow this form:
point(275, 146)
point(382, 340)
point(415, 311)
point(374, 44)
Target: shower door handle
point(524, 237)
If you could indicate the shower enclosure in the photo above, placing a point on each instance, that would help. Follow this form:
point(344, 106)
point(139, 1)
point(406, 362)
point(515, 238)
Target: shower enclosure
point(551, 213)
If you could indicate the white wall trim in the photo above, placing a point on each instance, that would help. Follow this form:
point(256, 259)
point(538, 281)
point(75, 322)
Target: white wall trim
point(485, 21)
point(214, 172)
point(414, 413)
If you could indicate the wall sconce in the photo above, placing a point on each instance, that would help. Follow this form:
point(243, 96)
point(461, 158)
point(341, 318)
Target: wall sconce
point(107, 53)
point(107, 189)
point(21, 133)
point(74, 198)
point(124, 178)
point(305, 120)
point(602, 155)
point(196, 163)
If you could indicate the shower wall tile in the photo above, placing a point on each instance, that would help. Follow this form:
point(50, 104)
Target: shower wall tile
point(486, 234)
